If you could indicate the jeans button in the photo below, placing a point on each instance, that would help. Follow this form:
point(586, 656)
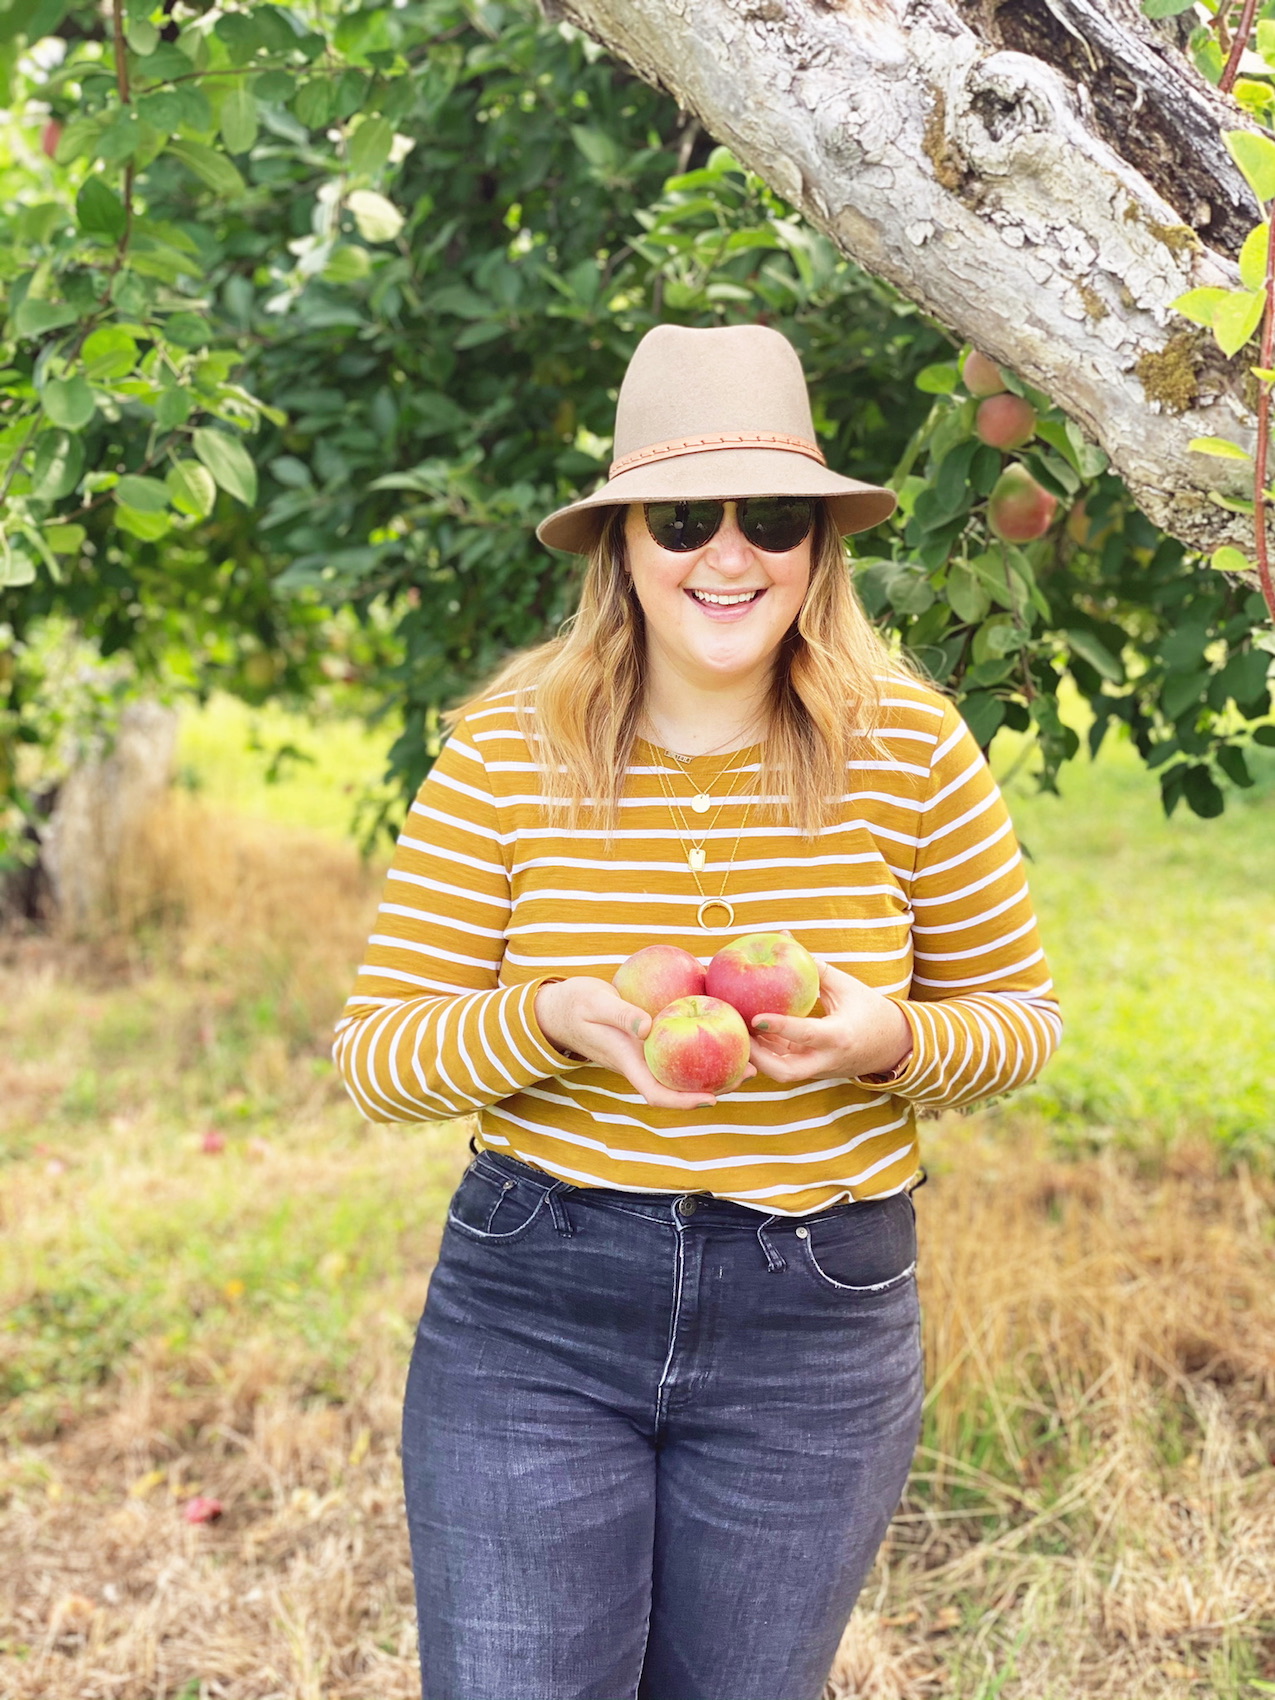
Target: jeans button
point(687, 1206)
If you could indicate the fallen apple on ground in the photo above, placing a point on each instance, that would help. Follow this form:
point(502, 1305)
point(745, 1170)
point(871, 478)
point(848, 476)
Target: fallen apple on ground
point(764, 974)
point(697, 1044)
point(653, 978)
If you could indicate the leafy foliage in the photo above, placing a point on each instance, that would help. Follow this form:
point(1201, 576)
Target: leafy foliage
point(312, 316)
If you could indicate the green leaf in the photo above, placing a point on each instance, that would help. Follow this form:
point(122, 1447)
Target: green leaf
point(239, 119)
point(109, 352)
point(1255, 156)
point(35, 318)
point(65, 539)
point(68, 402)
point(228, 461)
point(349, 264)
point(1236, 319)
point(1181, 690)
point(1231, 760)
point(1219, 446)
point(58, 463)
point(187, 330)
point(147, 495)
point(1229, 560)
point(99, 210)
point(16, 566)
point(1253, 257)
point(939, 379)
point(314, 102)
point(370, 146)
point(210, 167)
point(1165, 8)
point(173, 407)
point(1092, 649)
point(239, 33)
point(192, 488)
point(378, 220)
point(149, 527)
point(1199, 305)
point(1201, 792)
point(142, 36)
point(966, 594)
point(982, 713)
point(78, 139)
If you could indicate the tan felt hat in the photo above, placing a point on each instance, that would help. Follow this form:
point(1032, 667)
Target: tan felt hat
point(722, 413)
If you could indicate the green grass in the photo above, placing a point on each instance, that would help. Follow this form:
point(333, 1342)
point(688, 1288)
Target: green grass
point(1161, 937)
point(231, 754)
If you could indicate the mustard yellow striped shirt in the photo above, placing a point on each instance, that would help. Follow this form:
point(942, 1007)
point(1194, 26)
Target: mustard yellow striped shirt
point(917, 889)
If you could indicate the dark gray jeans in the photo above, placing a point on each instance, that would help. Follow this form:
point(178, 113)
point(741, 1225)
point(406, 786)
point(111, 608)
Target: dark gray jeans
point(651, 1441)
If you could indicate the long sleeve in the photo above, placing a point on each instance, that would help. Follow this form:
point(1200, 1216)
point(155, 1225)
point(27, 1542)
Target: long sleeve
point(981, 1005)
point(429, 1032)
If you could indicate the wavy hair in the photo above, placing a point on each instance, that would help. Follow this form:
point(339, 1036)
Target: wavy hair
point(579, 698)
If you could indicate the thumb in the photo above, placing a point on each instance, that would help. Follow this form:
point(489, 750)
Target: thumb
point(629, 1018)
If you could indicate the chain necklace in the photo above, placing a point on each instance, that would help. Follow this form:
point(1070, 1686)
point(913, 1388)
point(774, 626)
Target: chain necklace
point(697, 855)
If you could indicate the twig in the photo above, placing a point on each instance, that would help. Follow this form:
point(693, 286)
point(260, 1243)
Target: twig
point(1240, 42)
point(1264, 423)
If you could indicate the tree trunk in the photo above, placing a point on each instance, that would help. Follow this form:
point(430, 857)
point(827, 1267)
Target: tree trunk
point(99, 805)
point(1042, 176)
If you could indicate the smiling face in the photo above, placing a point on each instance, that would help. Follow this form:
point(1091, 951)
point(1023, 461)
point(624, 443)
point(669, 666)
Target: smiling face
point(716, 616)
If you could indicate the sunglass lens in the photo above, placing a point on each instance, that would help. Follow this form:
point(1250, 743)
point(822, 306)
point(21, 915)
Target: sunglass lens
point(682, 526)
point(776, 523)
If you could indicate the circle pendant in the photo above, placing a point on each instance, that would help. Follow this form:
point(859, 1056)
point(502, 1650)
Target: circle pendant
point(707, 906)
point(700, 803)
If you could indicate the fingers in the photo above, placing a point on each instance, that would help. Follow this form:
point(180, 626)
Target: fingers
point(794, 1029)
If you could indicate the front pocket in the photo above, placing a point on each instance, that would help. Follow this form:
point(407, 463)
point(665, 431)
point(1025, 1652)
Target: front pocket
point(868, 1248)
point(490, 1207)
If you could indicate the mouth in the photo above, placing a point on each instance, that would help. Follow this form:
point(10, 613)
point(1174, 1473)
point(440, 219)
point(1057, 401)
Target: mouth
point(726, 598)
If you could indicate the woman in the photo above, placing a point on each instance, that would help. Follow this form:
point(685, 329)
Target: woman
point(667, 1383)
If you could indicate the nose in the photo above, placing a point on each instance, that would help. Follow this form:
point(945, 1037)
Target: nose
point(728, 551)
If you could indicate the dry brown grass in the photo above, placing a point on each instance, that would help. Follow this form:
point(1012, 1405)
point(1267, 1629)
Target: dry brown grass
point(1092, 1513)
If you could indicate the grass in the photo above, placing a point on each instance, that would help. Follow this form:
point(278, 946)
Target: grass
point(211, 1268)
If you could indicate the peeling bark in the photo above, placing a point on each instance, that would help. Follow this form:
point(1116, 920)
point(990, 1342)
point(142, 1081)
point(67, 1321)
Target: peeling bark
point(1042, 176)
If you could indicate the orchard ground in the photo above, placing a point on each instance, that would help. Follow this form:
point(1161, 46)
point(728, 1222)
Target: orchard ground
point(211, 1270)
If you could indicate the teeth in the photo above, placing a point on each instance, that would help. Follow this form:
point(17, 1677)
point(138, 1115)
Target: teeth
point(725, 601)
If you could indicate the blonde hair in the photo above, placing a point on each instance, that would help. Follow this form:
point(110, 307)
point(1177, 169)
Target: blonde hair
point(589, 684)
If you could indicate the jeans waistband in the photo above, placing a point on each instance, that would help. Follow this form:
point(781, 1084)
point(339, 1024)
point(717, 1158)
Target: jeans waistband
point(708, 1210)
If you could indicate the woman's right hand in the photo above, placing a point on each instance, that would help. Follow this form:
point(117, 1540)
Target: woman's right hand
point(589, 1016)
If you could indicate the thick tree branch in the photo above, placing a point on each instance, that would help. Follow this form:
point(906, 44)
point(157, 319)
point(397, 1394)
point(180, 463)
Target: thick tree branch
point(1043, 176)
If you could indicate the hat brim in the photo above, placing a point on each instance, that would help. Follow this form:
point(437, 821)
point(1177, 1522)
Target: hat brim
point(724, 474)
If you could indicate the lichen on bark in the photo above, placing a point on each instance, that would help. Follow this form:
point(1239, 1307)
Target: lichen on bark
point(1170, 375)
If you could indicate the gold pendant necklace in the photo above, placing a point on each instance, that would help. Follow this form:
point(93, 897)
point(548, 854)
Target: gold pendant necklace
point(697, 854)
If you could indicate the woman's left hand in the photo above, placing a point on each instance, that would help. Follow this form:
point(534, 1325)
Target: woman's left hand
point(862, 1032)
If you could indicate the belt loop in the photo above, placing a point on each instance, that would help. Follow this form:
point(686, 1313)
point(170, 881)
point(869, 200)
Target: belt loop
point(557, 1208)
point(774, 1263)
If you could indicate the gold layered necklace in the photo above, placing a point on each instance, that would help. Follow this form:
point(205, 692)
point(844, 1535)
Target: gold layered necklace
point(696, 852)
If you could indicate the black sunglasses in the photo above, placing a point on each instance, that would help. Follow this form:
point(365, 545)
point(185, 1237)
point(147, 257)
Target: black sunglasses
point(774, 524)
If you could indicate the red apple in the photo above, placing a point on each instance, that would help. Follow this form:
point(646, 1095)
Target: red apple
point(213, 1143)
point(764, 973)
point(201, 1509)
point(1018, 510)
point(1005, 421)
point(657, 976)
point(980, 375)
point(697, 1044)
point(50, 136)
